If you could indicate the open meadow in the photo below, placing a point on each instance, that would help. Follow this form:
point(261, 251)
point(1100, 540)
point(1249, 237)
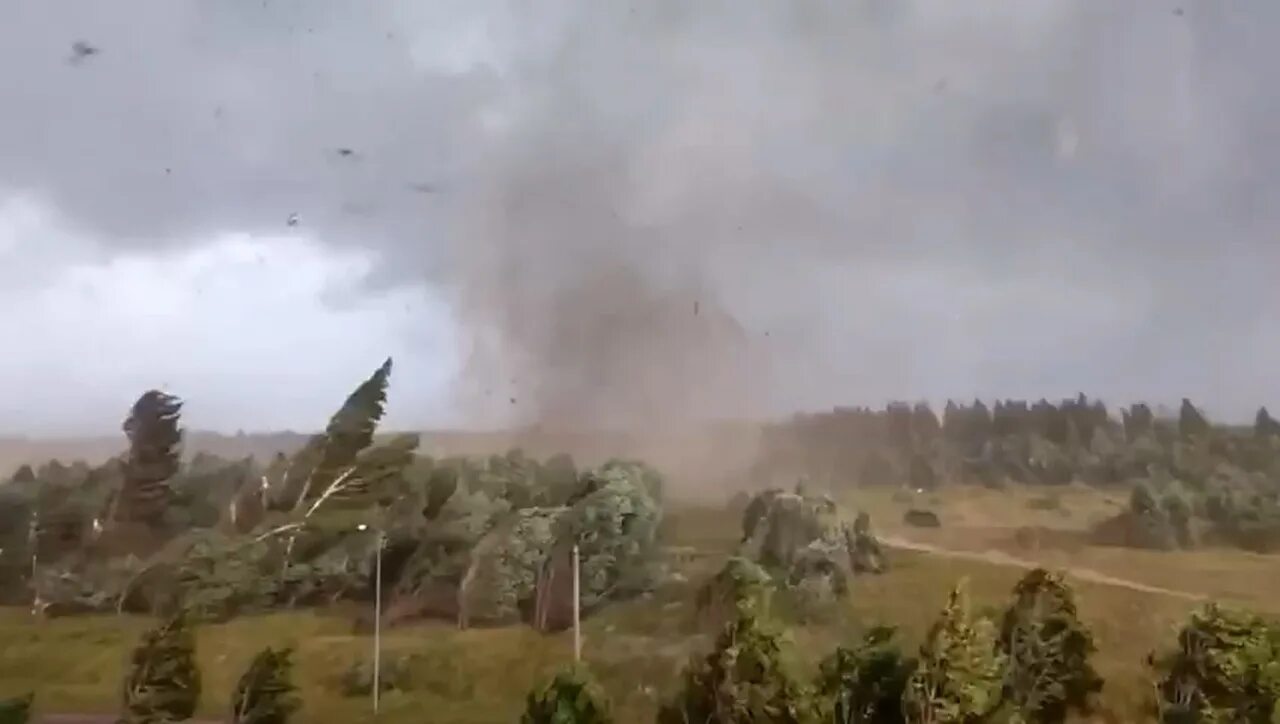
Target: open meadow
point(637, 648)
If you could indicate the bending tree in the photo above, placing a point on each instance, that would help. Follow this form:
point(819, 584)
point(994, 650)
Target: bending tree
point(154, 439)
point(960, 671)
point(163, 683)
point(265, 692)
point(1048, 650)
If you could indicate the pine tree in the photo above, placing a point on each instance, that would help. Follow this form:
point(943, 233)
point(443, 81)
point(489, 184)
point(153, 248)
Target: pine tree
point(572, 697)
point(265, 692)
point(154, 439)
point(960, 671)
point(1264, 425)
point(1047, 649)
point(1190, 422)
point(163, 683)
point(349, 432)
point(864, 684)
point(1224, 670)
point(744, 680)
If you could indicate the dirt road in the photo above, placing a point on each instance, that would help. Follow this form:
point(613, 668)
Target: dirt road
point(1003, 559)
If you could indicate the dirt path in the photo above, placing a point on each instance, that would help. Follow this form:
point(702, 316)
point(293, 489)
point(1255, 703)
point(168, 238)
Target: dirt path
point(1003, 559)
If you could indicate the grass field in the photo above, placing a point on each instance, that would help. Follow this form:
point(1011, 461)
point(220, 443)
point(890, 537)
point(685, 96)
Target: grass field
point(636, 648)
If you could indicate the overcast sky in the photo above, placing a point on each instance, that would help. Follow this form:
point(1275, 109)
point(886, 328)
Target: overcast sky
point(641, 211)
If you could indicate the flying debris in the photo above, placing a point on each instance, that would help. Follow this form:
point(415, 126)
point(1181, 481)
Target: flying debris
point(293, 220)
point(425, 188)
point(81, 50)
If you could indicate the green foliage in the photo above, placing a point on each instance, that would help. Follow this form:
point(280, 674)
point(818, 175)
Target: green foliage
point(557, 480)
point(265, 692)
point(572, 697)
point(154, 437)
point(219, 577)
point(16, 710)
point(1047, 649)
point(357, 679)
point(615, 528)
point(864, 684)
point(1226, 668)
point(744, 680)
point(505, 564)
point(740, 585)
point(960, 670)
point(163, 683)
point(441, 486)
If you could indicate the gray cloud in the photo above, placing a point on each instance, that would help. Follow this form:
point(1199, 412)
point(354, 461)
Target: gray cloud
point(913, 199)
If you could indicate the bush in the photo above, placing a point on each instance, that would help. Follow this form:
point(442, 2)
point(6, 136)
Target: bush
point(163, 683)
point(357, 680)
point(572, 697)
point(921, 518)
point(864, 684)
point(265, 692)
point(1224, 670)
point(960, 671)
point(1047, 650)
point(16, 710)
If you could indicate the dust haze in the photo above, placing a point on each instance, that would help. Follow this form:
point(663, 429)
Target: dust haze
point(649, 216)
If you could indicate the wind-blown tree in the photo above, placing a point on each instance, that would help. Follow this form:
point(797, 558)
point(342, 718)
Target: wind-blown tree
point(1264, 425)
point(154, 440)
point(340, 469)
point(864, 684)
point(349, 432)
point(960, 671)
point(744, 680)
point(265, 692)
point(1223, 670)
point(1047, 649)
point(163, 683)
point(1190, 422)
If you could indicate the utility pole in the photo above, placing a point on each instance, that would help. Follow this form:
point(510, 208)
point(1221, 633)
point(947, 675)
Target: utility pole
point(577, 613)
point(377, 617)
point(33, 542)
point(377, 626)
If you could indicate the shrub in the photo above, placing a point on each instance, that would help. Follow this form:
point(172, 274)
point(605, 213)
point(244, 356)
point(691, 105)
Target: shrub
point(16, 710)
point(572, 697)
point(357, 680)
point(960, 671)
point(864, 684)
point(1047, 650)
point(163, 683)
point(1223, 670)
point(921, 518)
point(265, 692)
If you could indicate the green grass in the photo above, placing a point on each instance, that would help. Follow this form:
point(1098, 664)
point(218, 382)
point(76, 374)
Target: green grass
point(636, 648)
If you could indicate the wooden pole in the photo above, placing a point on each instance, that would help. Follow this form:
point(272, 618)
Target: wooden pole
point(377, 625)
point(577, 613)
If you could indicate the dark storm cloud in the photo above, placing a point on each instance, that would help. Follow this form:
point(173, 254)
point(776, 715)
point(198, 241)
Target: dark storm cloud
point(911, 198)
